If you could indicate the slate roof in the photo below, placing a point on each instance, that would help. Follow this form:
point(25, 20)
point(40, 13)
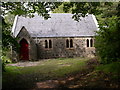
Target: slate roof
point(59, 25)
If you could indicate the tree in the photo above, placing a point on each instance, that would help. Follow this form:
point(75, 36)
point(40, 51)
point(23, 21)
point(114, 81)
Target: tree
point(82, 8)
point(108, 39)
point(29, 8)
point(7, 42)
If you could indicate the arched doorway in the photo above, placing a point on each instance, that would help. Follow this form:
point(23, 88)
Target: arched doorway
point(24, 51)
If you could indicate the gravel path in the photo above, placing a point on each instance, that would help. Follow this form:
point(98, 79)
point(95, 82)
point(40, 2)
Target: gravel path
point(25, 64)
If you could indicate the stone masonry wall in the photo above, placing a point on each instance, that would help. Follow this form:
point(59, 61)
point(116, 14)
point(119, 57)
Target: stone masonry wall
point(59, 49)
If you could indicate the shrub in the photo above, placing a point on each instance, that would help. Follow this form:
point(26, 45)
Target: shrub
point(5, 60)
point(108, 41)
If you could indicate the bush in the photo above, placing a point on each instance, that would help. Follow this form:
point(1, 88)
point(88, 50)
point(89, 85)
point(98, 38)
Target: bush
point(108, 41)
point(5, 60)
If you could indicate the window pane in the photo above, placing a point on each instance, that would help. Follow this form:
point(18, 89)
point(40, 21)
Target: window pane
point(46, 44)
point(87, 43)
point(91, 43)
point(50, 44)
point(67, 43)
point(71, 43)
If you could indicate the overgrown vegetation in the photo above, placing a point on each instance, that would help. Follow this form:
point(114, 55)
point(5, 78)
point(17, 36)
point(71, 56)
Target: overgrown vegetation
point(110, 68)
point(108, 38)
point(7, 41)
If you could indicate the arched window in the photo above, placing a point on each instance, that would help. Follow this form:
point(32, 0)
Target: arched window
point(46, 44)
point(91, 42)
point(71, 43)
point(67, 43)
point(87, 43)
point(50, 44)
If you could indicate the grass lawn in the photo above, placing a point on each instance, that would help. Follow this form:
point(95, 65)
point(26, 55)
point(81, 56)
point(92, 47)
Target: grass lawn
point(26, 77)
point(112, 69)
point(70, 72)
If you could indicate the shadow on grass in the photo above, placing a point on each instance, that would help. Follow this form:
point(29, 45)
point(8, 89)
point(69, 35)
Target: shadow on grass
point(26, 77)
point(26, 81)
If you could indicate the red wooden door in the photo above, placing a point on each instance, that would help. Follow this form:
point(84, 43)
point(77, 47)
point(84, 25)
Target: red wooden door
point(24, 51)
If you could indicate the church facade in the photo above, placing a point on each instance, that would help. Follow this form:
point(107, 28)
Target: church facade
point(59, 36)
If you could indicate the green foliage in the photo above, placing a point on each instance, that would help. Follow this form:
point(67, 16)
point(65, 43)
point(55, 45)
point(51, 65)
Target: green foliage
point(82, 8)
point(7, 39)
point(5, 60)
point(107, 12)
point(106, 43)
point(29, 8)
point(108, 40)
point(7, 42)
point(9, 19)
point(61, 9)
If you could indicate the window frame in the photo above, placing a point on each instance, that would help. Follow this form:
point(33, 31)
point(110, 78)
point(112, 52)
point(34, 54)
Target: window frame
point(68, 43)
point(46, 44)
point(91, 42)
point(71, 43)
point(49, 44)
point(87, 43)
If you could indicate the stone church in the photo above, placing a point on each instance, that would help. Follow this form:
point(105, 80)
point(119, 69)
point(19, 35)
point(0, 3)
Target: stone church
point(56, 37)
